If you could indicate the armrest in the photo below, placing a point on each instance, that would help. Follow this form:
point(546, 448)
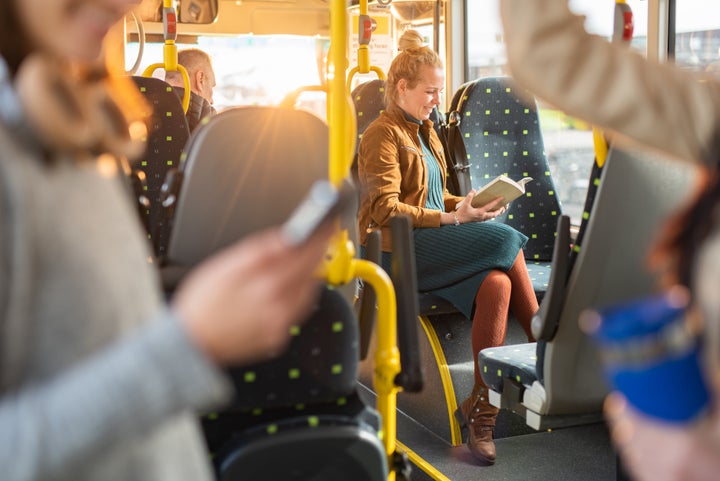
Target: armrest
point(405, 281)
point(368, 299)
point(545, 322)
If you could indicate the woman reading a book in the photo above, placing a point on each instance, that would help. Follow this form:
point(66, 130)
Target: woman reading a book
point(401, 167)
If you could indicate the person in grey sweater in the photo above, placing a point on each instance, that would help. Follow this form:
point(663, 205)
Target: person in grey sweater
point(99, 379)
point(661, 107)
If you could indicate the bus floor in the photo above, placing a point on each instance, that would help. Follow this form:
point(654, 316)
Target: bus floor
point(568, 454)
point(523, 454)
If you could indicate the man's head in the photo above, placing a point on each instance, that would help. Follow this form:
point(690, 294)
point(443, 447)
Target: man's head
point(200, 71)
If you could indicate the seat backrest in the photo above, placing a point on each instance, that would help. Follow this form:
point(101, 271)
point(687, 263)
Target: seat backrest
point(634, 198)
point(457, 96)
point(369, 101)
point(247, 169)
point(298, 376)
point(593, 184)
point(165, 144)
point(456, 156)
point(502, 135)
point(544, 323)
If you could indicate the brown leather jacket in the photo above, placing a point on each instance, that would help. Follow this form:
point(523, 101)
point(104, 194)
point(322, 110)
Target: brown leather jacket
point(393, 174)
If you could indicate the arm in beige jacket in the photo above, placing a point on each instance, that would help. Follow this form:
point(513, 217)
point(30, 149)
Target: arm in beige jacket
point(660, 106)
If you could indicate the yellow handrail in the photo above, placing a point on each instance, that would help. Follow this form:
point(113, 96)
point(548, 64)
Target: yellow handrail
point(290, 99)
point(366, 25)
point(170, 54)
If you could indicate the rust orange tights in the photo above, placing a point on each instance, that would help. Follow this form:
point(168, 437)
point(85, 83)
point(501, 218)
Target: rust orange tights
point(500, 293)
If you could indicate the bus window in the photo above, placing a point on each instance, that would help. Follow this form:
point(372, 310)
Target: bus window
point(255, 69)
point(697, 35)
point(568, 142)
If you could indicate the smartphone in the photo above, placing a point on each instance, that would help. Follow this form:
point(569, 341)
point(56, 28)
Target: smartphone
point(322, 203)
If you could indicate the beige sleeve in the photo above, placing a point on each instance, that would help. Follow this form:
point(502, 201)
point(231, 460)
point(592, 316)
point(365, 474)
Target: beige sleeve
point(660, 106)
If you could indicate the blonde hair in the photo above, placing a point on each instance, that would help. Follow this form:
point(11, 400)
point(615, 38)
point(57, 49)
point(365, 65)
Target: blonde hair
point(407, 66)
point(409, 39)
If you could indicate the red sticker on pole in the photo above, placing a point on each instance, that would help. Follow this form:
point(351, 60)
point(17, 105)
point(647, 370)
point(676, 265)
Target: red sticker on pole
point(629, 26)
point(170, 24)
point(367, 25)
point(623, 27)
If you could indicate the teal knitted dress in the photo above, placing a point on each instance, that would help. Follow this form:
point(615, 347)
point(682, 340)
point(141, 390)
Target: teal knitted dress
point(453, 260)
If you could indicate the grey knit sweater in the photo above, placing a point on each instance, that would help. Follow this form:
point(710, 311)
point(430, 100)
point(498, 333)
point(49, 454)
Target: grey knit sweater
point(97, 379)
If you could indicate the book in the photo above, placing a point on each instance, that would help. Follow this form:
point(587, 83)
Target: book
point(501, 186)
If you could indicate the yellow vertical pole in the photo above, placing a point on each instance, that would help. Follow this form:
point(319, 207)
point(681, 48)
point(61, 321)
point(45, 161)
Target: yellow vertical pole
point(336, 91)
point(341, 122)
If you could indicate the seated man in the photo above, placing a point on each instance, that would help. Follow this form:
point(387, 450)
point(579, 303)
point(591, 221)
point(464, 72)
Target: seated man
point(202, 81)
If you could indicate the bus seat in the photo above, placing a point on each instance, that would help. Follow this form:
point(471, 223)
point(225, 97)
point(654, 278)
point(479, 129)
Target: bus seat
point(457, 96)
point(458, 163)
point(544, 323)
point(593, 184)
point(249, 171)
point(299, 416)
point(166, 140)
point(567, 386)
point(369, 101)
point(501, 135)
point(245, 170)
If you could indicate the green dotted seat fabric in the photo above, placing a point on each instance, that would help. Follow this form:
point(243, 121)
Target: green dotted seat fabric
point(320, 364)
point(166, 141)
point(515, 362)
point(539, 272)
point(301, 408)
point(593, 184)
point(502, 135)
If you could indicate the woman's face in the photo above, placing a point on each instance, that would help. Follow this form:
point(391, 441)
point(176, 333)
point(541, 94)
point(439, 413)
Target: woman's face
point(71, 29)
point(420, 100)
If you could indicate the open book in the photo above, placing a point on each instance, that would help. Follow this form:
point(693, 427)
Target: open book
point(500, 186)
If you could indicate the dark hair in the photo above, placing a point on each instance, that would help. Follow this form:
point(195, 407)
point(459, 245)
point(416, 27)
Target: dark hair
point(14, 43)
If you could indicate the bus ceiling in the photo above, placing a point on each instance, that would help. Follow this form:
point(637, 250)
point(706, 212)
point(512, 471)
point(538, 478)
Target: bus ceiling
point(272, 17)
point(408, 12)
point(188, 11)
point(259, 17)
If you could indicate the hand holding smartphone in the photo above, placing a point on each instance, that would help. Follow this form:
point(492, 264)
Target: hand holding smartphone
point(323, 203)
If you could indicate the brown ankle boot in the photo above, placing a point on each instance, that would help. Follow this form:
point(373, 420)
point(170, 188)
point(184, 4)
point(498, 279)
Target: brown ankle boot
point(479, 415)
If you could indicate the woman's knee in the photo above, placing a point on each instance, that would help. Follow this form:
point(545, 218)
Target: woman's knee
point(497, 281)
